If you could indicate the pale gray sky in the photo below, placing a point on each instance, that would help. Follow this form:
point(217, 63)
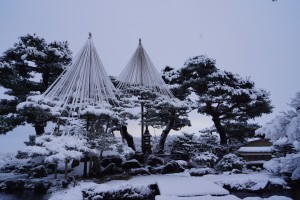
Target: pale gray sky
point(253, 38)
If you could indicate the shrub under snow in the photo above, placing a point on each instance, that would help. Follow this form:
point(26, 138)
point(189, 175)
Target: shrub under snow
point(204, 157)
point(289, 166)
point(230, 162)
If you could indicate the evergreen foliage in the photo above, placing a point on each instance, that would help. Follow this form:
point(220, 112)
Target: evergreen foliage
point(284, 132)
point(185, 143)
point(230, 162)
point(29, 67)
point(228, 98)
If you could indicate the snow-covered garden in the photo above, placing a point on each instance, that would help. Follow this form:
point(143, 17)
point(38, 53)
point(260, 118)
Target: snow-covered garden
point(79, 109)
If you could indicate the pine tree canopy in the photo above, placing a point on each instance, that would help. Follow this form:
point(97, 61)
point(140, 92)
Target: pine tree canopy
point(29, 67)
point(224, 96)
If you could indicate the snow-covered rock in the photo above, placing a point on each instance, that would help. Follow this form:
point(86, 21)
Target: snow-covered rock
point(154, 161)
point(129, 164)
point(201, 171)
point(172, 167)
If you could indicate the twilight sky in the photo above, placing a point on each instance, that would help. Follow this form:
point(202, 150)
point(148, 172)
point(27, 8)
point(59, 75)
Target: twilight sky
point(259, 39)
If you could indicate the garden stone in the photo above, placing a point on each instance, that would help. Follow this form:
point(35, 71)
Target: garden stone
point(13, 186)
point(75, 163)
point(202, 171)
point(131, 164)
point(172, 167)
point(139, 171)
point(39, 171)
point(117, 160)
point(140, 157)
point(111, 169)
point(41, 187)
point(154, 161)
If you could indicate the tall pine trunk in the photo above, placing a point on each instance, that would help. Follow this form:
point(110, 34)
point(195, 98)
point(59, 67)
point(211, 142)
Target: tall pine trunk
point(221, 130)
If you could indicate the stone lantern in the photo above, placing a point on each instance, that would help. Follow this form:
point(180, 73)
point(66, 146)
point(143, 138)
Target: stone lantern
point(146, 142)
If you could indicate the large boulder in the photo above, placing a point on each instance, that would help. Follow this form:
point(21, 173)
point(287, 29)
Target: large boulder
point(41, 187)
point(117, 160)
point(138, 156)
point(139, 171)
point(202, 171)
point(14, 185)
point(75, 163)
point(111, 169)
point(38, 172)
point(172, 167)
point(154, 161)
point(129, 164)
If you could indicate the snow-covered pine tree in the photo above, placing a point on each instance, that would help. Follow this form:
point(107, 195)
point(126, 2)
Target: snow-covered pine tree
point(30, 66)
point(224, 96)
point(169, 114)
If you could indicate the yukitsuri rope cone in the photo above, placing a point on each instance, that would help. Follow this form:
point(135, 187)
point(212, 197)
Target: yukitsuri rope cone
point(140, 72)
point(84, 83)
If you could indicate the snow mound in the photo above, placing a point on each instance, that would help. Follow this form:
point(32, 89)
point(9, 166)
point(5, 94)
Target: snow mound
point(174, 186)
point(207, 197)
point(270, 198)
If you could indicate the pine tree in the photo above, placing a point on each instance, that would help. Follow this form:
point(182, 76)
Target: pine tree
point(29, 67)
point(224, 96)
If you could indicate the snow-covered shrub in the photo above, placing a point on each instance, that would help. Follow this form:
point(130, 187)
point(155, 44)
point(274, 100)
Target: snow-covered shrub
point(119, 192)
point(205, 158)
point(283, 146)
point(186, 143)
point(288, 166)
point(230, 162)
point(284, 132)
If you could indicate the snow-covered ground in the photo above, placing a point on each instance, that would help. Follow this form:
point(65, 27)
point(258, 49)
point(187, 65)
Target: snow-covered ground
point(179, 186)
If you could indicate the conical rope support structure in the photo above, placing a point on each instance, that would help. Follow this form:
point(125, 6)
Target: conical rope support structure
point(140, 72)
point(85, 83)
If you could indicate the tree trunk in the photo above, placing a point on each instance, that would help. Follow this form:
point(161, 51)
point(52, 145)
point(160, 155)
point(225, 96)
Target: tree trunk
point(66, 168)
point(100, 158)
point(39, 129)
point(85, 166)
point(55, 170)
point(127, 137)
point(45, 77)
point(165, 132)
point(90, 166)
point(221, 130)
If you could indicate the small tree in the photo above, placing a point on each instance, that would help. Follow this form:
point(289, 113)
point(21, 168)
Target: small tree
point(186, 143)
point(170, 114)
